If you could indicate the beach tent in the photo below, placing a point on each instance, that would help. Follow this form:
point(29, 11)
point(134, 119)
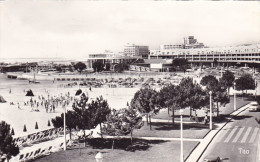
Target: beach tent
point(2, 100)
point(80, 95)
point(29, 93)
point(78, 92)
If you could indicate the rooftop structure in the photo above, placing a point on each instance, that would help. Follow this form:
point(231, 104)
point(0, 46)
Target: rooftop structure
point(189, 42)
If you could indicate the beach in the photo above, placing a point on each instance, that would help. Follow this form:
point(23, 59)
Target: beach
point(117, 98)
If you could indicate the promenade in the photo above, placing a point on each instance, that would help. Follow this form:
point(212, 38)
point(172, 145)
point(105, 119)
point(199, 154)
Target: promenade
point(193, 146)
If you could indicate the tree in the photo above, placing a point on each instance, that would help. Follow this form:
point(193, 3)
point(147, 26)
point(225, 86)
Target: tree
point(227, 80)
point(258, 99)
point(108, 66)
point(245, 82)
point(7, 144)
point(71, 121)
point(80, 66)
point(121, 67)
point(219, 90)
point(49, 124)
point(132, 120)
point(191, 95)
point(220, 97)
point(210, 82)
point(146, 102)
point(98, 110)
point(57, 122)
point(36, 125)
point(113, 125)
point(24, 128)
point(122, 122)
point(181, 63)
point(98, 66)
point(58, 68)
point(169, 97)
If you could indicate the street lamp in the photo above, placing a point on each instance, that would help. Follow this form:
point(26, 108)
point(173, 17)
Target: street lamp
point(65, 146)
point(99, 157)
point(181, 156)
point(210, 110)
point(235, 100)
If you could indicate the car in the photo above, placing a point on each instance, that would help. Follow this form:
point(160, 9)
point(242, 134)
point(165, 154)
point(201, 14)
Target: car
point(254, 106)
point(212, 158)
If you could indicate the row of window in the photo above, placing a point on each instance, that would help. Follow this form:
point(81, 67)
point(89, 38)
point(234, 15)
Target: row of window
point(211, 52)
point(225, 55)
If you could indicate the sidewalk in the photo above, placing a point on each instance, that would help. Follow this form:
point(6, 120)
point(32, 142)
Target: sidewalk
point(198, 151)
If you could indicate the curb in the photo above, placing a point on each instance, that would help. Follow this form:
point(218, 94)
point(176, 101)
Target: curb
point(192, 151)
point(231, 117)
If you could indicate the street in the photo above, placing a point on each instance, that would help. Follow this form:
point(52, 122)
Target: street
point(238, 141)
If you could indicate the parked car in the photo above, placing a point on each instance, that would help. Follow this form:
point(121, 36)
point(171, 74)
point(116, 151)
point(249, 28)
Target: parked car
point(254, 106)
point(211, 158)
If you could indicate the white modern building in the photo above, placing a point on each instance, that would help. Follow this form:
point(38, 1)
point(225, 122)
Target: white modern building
point(245, 54)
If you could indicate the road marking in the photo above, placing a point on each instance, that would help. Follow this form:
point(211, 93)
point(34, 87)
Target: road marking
point(222, 135)
point(230, 135)
point(252, 139)
point(246, 135)
point(238, 135)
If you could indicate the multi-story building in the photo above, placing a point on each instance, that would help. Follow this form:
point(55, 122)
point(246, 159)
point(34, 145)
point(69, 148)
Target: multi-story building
point(171, 46)
point(189, 42)
point(243, 54)
point(107, 57)
point(136, 50)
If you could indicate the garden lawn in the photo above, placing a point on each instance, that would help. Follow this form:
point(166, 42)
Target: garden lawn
point(147, 151)
point(166, 130)
point(223, 110)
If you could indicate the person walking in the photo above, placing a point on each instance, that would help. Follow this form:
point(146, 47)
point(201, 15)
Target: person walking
point(206, 119)
point(18, 105)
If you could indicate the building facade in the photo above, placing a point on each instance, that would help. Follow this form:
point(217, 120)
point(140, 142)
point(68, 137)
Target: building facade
point(109, 57)
point(132, 50)
point(235, 54)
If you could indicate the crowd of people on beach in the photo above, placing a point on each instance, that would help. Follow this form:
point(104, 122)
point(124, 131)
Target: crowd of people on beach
point(47, 101)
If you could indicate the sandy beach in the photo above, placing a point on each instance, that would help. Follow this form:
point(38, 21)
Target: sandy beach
point(117, 98)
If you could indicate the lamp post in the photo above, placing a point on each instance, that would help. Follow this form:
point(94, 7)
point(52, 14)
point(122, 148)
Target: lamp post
point(181, 156)
point(210, 110)
point(235, 100)
point(65, 147)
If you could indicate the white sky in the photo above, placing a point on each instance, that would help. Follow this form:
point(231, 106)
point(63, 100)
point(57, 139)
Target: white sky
point(75, 28)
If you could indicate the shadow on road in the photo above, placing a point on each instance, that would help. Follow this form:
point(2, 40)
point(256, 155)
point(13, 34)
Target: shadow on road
point(122, 144)
point(241, 117)
point(169, 126)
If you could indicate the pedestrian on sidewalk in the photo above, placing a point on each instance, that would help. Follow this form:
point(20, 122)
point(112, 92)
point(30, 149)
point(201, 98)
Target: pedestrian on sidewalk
point(196, 118)
point(206, 119)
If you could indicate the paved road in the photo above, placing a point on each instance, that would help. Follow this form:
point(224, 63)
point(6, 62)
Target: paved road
point(239, 140)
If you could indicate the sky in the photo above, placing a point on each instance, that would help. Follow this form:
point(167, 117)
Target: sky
point(76, 28)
